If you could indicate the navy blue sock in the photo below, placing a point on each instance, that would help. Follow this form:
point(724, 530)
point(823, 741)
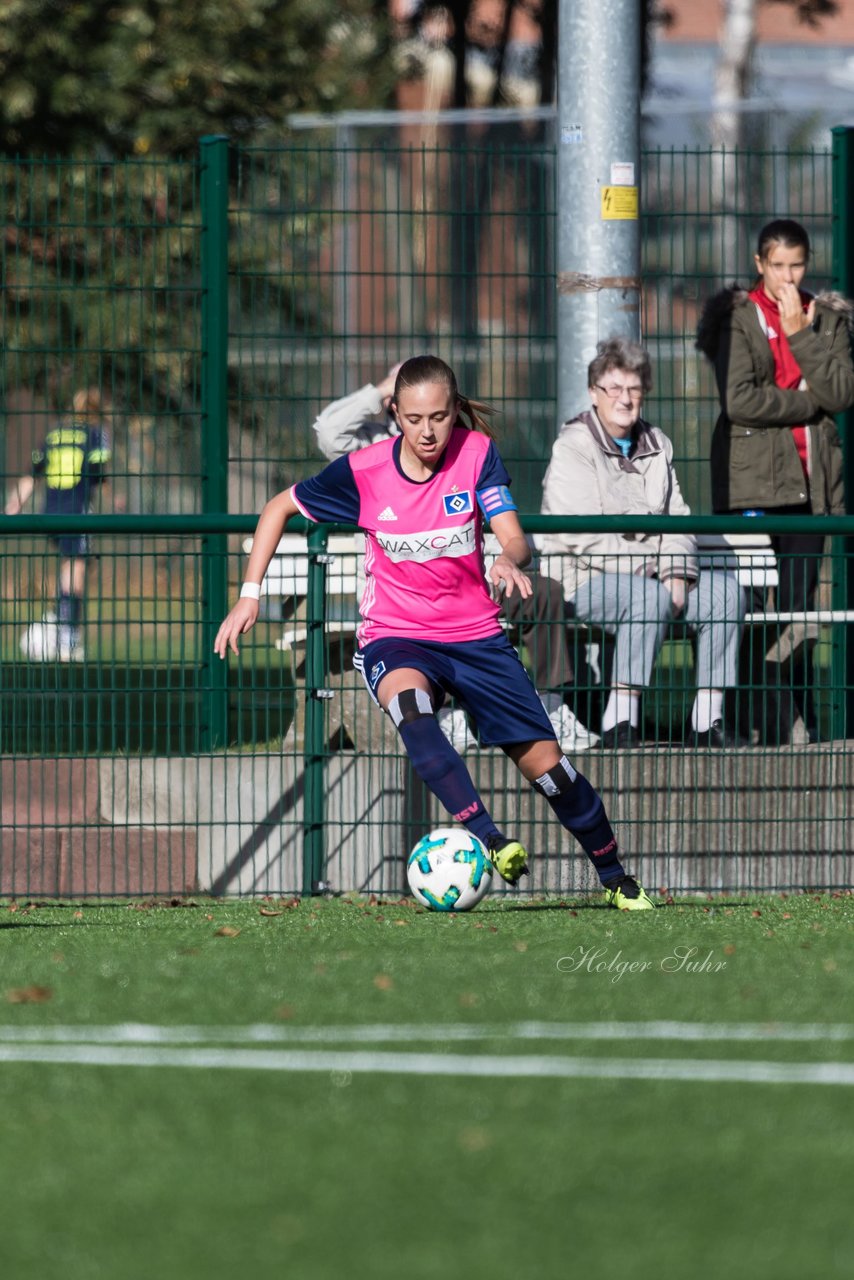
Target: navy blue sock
point(69, 609)
point(438, 765)
point(580, 809)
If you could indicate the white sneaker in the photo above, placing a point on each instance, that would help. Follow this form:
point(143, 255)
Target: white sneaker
point(39, 641)
point(70, 653)
point(569, 731)
point(453, 723)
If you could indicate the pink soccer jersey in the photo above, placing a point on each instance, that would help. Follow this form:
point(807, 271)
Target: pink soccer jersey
point(424, 552)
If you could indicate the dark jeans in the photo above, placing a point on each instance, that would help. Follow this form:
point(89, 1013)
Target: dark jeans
point(786, 687)
point(541, 622)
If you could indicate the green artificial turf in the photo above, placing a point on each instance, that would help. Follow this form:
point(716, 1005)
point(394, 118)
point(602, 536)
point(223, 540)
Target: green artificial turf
point(127, 1171)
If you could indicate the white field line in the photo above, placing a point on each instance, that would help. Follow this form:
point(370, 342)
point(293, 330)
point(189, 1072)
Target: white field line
point(470, 1066)
point(134, 1033)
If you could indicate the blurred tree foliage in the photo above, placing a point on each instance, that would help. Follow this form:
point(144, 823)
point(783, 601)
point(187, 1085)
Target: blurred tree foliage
point(122, 78)
point(101, 109)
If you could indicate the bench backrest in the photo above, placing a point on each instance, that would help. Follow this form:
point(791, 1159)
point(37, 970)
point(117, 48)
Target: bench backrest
point(288, 571)
point(749, 555)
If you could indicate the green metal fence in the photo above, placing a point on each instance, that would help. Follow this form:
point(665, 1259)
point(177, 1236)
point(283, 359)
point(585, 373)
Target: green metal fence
point(217, 305)
point(221, 302)
point(114, 778)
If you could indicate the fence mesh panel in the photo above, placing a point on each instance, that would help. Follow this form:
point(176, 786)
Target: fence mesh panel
point(129, 766)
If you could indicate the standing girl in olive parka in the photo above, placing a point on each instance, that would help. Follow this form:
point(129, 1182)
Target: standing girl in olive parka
point(783, 366)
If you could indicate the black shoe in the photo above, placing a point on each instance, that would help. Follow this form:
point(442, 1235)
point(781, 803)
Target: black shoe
point(717, 736)
point(623, 735)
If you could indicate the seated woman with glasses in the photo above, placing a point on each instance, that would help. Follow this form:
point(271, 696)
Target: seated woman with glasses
point(609, 461)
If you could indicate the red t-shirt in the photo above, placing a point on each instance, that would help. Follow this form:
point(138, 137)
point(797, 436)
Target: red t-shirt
point(787, 372)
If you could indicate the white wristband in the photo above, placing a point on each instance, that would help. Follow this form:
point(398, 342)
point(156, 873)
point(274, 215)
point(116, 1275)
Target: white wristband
point(250, 591)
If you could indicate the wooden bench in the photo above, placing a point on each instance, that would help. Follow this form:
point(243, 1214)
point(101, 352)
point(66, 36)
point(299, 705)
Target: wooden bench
point(751, 557)
point(748, 555)
point(286, 579)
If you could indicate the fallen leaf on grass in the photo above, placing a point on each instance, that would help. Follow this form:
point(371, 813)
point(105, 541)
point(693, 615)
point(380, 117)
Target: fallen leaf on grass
point(383, 982)
point(227, 931)
point(29, 995)
point(474, 1139)
point(520, 946)
point(265, 911)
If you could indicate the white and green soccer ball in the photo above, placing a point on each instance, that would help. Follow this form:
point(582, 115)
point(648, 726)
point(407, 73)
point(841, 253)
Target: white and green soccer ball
point(449, 870)
point(40, 640)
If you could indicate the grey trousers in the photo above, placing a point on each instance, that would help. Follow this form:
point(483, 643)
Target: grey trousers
point(639, 613)
point(540, 621)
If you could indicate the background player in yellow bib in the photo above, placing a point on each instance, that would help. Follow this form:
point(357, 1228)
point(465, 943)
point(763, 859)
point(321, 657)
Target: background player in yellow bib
point(73, 463)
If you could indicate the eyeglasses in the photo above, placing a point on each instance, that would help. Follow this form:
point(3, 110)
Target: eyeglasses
point(614, 393)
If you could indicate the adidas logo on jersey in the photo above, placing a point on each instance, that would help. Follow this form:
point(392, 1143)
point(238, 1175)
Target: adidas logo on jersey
point(388, 514)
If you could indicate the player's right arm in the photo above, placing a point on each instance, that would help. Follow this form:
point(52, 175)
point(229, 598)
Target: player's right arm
point(244, 615)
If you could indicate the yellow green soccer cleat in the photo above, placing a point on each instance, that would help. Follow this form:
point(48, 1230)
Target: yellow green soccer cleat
point(627, 895)
point(508, 857)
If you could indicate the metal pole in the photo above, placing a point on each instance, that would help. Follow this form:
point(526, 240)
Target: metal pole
point(315, 693)
point(842, 650)
point(598, 168)
point(213, 674)
point(213, 730)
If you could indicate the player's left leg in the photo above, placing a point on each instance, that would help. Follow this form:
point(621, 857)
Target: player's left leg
point(509, 713)
point(579, 808)
point(407, 695)
point(71, 585)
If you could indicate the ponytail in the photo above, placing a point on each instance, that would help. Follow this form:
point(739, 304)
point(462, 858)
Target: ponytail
point(475, 411)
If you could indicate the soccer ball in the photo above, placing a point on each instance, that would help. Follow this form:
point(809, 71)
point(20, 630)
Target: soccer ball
point(449, 870)
point(39, 641)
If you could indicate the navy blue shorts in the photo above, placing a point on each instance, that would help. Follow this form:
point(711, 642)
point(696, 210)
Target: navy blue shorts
point(485, 676)
point(73, 546)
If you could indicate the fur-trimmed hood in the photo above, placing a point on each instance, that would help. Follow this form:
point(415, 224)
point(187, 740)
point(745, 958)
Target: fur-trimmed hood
point(719, 307)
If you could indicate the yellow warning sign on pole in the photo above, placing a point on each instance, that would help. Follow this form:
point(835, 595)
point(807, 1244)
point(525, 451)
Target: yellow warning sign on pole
point(619, 203)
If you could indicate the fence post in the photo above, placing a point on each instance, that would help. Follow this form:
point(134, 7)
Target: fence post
point(842, 650)
point(213, 158)
point(315, 693)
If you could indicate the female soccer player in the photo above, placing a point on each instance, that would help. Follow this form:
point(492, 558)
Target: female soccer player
point(429, 621)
